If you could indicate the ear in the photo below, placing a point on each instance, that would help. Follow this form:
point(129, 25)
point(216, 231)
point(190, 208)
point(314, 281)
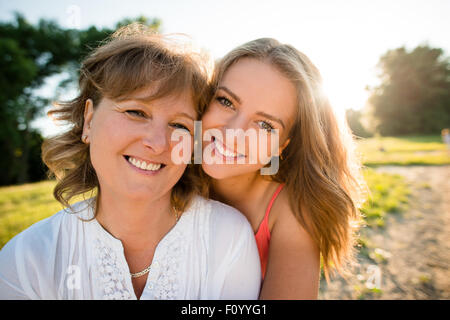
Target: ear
point(88, 114)
point(285, 144)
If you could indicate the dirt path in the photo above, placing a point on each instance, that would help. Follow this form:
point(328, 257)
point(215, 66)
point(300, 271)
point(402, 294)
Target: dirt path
point(410, 257)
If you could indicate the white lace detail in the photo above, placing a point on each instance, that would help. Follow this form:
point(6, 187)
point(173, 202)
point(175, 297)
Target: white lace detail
point(164, 279)
point(111, 276)
point(163, 282)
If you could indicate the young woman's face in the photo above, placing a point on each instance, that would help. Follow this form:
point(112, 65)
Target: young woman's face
point(130, 144)
point(251, 95)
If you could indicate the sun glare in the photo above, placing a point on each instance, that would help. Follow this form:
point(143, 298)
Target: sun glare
point(345, 93)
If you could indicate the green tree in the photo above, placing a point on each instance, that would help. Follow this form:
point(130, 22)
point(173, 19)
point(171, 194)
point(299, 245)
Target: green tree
point(414, 94)
point(29, 54)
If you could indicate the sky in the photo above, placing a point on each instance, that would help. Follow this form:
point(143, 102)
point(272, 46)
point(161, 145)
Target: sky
point(343, 38)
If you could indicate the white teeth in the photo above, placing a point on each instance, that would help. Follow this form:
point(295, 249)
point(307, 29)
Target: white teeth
point(144, 165)
point(153, 166)
point(224, 152)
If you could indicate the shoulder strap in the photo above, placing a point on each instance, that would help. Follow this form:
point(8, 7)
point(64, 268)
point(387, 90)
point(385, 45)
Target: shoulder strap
point(269, 207)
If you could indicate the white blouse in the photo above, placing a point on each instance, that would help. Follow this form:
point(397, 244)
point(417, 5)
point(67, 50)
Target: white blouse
point(209, 254)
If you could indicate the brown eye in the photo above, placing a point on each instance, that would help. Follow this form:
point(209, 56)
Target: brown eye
point(136, 113)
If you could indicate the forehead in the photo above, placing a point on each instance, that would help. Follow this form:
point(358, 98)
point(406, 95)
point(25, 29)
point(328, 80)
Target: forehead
point(176, 101)
point(261, 87)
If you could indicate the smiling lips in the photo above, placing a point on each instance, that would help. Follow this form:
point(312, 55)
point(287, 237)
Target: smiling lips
point(221, 149)
point(144, 165)
point(224, 151)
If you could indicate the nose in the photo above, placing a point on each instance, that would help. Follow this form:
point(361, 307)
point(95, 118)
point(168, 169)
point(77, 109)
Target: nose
point(238, 121)
point(155, 138)
point(238, 125)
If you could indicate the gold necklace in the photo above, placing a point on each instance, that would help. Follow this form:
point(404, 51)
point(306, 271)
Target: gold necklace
point(146, 270)
point(141, 273)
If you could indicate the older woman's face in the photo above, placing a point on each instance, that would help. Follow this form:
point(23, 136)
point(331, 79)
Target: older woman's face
point(130, 144)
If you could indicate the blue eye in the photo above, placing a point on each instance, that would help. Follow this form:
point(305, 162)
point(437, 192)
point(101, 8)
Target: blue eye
point(265, 125)
point(225, 102)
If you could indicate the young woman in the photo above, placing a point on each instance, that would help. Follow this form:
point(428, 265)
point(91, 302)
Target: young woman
point(148, 233)
point(308, 208)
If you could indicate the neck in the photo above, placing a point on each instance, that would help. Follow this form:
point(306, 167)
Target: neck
point(241, 192)
point(137, 223)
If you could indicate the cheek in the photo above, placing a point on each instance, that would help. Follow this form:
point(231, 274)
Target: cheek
point(206, 120)
point(108, 138)
point(181, 149)
point(262, 148)
point(176, 172)
point(212, 117)
point(223, 171)
point(110, 129)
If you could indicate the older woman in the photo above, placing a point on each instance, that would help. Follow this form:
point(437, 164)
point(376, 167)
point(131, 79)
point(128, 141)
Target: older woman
point(148, 233)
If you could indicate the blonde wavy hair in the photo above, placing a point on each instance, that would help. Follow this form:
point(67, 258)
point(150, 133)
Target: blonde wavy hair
point(319, 166)
point(133, 58)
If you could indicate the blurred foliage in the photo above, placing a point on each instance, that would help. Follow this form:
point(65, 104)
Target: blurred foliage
point(29, 54)
point(414, 95)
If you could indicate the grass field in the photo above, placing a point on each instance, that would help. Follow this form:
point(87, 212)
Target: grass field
point(420, 150)
point(388, 194)
point(21, 206)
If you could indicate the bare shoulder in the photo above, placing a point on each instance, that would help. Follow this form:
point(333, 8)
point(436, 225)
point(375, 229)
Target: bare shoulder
point(294, 261)
point(286, 227)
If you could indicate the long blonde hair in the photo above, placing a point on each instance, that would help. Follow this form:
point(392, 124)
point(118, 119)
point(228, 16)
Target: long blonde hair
point(319, 166)
point(131, 59)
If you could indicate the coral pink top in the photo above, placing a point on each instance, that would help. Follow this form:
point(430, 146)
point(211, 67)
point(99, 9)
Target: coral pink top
point(262, 236)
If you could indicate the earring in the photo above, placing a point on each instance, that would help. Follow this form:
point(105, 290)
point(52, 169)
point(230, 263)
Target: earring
point(281, 157)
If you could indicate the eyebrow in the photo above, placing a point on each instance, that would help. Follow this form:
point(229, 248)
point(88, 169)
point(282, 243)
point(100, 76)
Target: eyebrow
point(231, 93)
point(260, 113)
point(184, 114)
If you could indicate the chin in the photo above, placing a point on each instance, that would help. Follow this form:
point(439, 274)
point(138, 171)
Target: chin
point(215, 173)
point(222, 171)
point(140, 193)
